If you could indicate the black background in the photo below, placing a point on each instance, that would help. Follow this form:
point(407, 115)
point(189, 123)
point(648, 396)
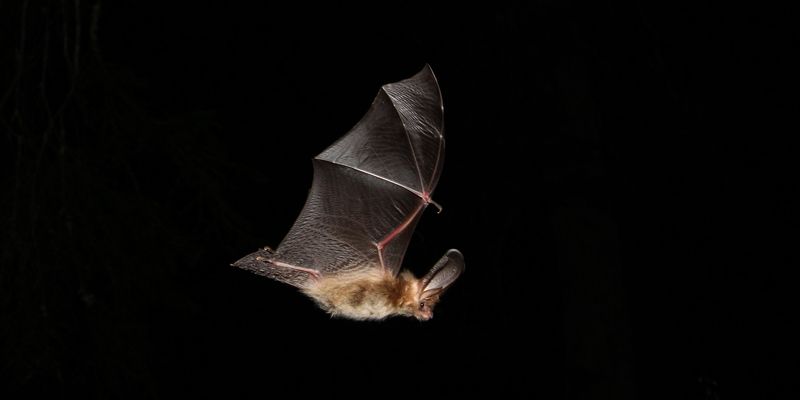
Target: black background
point(617, 176)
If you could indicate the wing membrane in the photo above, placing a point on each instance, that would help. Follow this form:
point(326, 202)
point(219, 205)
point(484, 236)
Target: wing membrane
point(371, 186)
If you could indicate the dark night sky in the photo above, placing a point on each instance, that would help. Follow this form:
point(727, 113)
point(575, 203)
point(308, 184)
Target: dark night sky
point(616, 176)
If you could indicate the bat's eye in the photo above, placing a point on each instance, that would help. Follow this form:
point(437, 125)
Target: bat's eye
point(421, 305)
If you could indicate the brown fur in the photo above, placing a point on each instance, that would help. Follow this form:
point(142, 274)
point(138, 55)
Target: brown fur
point(370, 294)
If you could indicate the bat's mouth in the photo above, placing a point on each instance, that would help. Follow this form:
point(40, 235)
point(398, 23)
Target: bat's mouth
point(424, 315)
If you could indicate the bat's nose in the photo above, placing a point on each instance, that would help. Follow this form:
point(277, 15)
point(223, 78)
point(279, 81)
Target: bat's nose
point(424, 315)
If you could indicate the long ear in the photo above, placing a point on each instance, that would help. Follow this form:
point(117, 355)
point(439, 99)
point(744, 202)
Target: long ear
point(443, 274)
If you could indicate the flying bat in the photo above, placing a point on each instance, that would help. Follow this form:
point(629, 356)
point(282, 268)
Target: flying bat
point(369, 191)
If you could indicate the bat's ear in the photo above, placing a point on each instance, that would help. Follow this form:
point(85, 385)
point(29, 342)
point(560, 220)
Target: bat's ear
point(443, 274)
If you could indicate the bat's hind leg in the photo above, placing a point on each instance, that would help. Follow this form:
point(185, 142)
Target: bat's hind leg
point(262, 262)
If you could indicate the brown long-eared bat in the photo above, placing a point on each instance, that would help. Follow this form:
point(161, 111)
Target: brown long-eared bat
point(369, 190)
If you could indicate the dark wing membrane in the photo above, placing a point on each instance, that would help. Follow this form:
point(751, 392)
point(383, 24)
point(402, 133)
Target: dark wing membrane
point(371, 186)
point(400, 138)
point(346, 215)
point(259, 263)
point(418, 102)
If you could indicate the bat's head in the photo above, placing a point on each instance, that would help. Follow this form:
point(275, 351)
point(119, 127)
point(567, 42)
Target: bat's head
point(423, 309)
point(435, 282)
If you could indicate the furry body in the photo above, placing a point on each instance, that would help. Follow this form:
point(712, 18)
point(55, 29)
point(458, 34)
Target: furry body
point(372, 294)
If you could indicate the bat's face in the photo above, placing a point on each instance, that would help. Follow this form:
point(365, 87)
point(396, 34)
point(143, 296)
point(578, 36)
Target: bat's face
point(424, 312)
point(422, 309)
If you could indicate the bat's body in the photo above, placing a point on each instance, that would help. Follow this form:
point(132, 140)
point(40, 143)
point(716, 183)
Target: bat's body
point(369, 191)
point(372, 294)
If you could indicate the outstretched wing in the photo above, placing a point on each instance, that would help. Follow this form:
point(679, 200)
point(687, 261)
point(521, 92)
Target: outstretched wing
point(371, 186)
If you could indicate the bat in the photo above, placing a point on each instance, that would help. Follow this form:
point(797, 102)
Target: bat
point(369, 190)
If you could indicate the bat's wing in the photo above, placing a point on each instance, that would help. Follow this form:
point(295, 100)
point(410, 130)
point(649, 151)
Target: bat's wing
point(371, 186)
